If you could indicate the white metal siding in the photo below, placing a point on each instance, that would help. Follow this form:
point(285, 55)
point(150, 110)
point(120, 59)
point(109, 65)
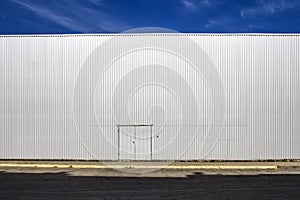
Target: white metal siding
point(259, 74)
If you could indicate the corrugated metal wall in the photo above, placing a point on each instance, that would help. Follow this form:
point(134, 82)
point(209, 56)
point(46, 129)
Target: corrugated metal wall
point(231, 97)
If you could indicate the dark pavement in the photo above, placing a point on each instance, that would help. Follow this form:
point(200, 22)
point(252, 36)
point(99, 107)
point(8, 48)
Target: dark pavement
point(110, 184)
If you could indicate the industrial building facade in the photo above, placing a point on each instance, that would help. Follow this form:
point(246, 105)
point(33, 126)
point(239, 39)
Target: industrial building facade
point(150, 96)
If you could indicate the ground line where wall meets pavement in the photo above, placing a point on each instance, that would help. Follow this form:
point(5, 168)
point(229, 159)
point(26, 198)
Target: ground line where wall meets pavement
point(125, 166)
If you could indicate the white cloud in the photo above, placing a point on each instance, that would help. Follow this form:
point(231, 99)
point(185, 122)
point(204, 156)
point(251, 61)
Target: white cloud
point(97, 2)
point(76, 18)
point(268, 7)
point(226, 23)
point(212, 23)
point(200, 5)
point(278, 5)
point(212, 3)
point(189, 5)
point(62, 20)
point(206, 2)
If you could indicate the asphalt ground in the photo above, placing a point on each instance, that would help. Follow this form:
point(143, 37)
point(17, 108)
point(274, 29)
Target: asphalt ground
point(83, 183)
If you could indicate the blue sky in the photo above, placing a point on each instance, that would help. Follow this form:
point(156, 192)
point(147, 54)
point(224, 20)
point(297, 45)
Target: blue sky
point(114, 16)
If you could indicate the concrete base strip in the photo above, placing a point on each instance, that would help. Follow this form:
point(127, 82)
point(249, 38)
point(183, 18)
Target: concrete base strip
point(191, 167)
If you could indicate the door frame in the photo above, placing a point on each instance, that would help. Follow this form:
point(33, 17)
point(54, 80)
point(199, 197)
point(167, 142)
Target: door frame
point(134, 126)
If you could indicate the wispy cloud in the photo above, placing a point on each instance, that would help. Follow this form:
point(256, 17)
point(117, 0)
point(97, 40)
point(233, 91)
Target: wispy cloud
point(206, 2)
point(227, 23)
point(212, 3)
point(77, 19)
point(62, 20)
point(189, 5)
point(212, 23)
point(197, 4)
point(97, 2)
point(268, 7)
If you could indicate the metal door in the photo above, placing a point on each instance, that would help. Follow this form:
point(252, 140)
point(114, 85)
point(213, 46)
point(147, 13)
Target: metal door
point(135, 142)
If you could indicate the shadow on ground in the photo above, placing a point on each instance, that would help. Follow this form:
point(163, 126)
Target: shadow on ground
point(196, 186)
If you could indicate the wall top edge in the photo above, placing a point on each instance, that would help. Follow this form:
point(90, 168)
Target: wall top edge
point(151, 34)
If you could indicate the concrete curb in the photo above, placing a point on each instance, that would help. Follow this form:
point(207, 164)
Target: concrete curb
point(190, 167)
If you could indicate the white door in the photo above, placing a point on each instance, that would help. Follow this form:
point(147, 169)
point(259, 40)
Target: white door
point(135, 143)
